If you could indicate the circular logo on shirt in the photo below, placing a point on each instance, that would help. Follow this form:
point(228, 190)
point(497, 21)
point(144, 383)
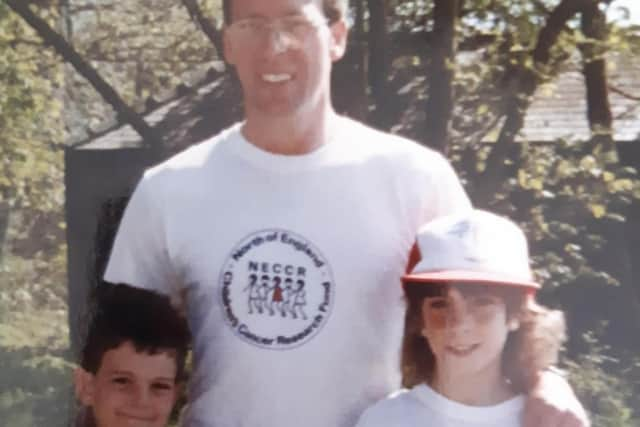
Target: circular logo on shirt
point(277, 289)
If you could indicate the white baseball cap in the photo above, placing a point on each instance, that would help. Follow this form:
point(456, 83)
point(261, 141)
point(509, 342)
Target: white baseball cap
point(474, 247)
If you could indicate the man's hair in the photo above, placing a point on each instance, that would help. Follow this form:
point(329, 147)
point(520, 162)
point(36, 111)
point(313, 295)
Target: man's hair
point(530, 349)
point(334, 10)
point(145, 318)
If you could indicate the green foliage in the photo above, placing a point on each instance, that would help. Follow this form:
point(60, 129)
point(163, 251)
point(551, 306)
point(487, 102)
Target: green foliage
point(143, 48)
point(35, 375)
point(570, 199)
point(34, 358)
point(34, 344)
point(30, 117)
point(605, 386)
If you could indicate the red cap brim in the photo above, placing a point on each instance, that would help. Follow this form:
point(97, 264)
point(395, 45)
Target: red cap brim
point(465, 276)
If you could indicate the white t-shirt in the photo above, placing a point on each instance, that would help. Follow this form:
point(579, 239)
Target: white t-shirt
point(423, 407)
point(287, 267)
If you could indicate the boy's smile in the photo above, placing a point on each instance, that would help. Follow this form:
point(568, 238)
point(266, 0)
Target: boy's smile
point(131, 388)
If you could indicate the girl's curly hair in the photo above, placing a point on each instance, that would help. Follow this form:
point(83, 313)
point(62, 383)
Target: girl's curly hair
point(530, 349)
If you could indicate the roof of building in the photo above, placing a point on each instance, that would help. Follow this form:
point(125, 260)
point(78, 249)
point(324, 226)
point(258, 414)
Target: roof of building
point(559, 109)
point(195, 111)
point(181, 116)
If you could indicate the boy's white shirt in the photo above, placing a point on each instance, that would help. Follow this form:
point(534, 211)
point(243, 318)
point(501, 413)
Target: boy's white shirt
point(342, 219)
point(422, 406)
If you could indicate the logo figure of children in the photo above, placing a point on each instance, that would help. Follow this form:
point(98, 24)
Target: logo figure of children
point(287, 293)
point(264, 292)
point(299, 301)
point(254, 294)
point(276, 296)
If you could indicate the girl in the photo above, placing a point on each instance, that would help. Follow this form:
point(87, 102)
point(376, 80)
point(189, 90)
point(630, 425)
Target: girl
point(474, 337)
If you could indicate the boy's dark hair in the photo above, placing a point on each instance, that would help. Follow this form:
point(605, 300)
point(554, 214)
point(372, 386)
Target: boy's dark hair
point(145, 318)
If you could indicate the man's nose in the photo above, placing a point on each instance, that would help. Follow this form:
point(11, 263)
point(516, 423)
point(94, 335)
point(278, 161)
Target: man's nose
point(278, 41)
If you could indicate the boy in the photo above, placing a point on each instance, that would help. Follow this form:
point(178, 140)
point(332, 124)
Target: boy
point(133, 361)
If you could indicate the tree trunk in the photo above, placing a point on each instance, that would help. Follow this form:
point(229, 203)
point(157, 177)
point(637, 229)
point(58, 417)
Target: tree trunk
point(5, 209)
point(440, 72)
point(378, 67)
point(50, 37)
point(521, 88)
point(593, 24)
point(206, 25)
point(349, 76)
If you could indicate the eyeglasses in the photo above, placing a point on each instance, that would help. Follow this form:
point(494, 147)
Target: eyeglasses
point(295, 29)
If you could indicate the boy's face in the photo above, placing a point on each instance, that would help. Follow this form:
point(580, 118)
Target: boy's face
point(467, 327)
point(130, 389)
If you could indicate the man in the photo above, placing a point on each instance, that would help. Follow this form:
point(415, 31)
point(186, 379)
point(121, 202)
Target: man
point(295, 192)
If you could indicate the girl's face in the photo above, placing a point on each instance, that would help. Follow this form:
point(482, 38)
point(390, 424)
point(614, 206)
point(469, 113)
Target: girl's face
point(466, 327)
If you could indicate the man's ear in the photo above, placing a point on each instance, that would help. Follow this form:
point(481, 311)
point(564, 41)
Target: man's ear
point(339, 34)
point(513, 324)
point(84, 386)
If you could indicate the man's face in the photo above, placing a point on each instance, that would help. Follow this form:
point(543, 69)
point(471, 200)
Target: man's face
point(467, 329)
point(130, 389)
point(282, 51)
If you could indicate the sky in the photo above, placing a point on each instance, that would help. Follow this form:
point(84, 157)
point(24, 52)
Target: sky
point(632, 5)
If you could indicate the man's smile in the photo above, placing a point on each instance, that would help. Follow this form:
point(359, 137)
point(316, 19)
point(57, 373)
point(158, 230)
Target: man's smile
point(276, 77)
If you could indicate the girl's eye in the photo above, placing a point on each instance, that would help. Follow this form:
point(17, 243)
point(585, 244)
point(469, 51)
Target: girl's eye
point(437, 303)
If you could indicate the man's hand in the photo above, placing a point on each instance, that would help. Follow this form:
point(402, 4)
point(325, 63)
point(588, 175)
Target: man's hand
point(552, 403)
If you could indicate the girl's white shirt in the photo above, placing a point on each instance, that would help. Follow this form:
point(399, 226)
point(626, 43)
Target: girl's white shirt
point(422, 406)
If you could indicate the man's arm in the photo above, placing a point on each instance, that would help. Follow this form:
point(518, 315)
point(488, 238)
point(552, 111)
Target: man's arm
point(448, 196)
point(552, 403)
point(140, 255)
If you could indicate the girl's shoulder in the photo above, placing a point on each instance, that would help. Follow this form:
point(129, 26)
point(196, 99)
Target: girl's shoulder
point(410, 408)
point(397, 409)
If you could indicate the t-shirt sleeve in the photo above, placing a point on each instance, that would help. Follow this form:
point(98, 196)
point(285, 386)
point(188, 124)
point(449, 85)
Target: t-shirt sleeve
point(372, 418)
point(385, 413)
point(140, 256)
point(449, 196)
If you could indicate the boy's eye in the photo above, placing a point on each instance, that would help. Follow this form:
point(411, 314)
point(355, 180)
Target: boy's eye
point(161, 387)
point(120, 380)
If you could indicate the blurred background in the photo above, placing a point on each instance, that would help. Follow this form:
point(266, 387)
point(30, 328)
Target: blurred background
point(536, 103)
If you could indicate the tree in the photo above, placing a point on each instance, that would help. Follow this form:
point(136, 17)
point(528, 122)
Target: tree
point(69, 54)
point(32, 286)
point(456, 75)
point(440, 73)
